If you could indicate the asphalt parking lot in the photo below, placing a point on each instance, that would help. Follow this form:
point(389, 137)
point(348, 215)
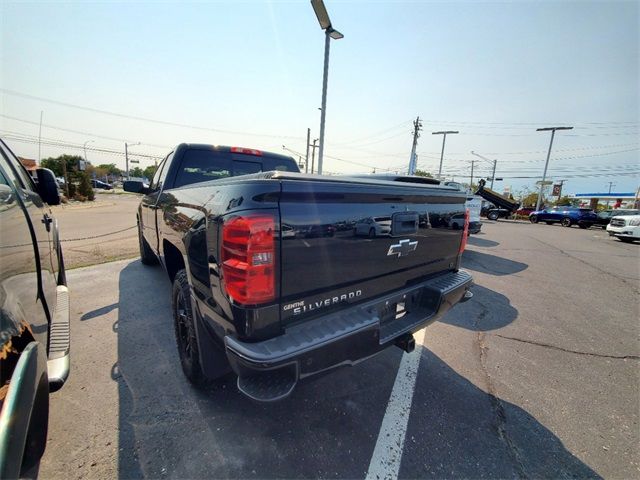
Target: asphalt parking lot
point(536, 376)
point(100, 231)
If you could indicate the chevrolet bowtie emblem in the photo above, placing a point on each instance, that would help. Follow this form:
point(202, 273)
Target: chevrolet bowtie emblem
point(404, 247)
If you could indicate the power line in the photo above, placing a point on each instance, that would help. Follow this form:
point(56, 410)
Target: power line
point(593, 147)
point(79, 132)
point(142, 119)
point(381, 132)
point(67, 145)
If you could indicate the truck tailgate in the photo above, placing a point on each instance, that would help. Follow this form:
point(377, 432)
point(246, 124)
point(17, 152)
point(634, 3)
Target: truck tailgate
point(345, 242)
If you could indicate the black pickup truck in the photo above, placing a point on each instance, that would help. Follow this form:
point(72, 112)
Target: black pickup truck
point(34, 314)
point(272, 277)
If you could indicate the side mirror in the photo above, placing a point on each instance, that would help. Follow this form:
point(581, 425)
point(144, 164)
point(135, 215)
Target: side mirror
point(134, 186)
point(47, 186)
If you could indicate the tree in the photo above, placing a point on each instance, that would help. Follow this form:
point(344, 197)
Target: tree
point(55, 164)
point(564, 201)
point(77, 183)
point(531, 200)
point(136, 172)
point(423, 173)
point(150, 171)
point(85, 189)
point(110, 168)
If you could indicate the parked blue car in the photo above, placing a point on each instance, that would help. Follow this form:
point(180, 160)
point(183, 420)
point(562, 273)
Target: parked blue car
point(567, 216)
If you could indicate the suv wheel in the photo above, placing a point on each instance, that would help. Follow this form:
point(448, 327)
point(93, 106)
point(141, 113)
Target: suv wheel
point(566, 222)
point(533, 219)
point(185, 329)
point(147, 256)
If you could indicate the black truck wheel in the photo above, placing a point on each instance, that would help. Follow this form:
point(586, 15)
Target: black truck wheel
point(185, 329)
point(147, 256)
point(493, 215)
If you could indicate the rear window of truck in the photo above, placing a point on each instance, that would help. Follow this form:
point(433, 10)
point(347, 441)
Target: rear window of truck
point(200, 165)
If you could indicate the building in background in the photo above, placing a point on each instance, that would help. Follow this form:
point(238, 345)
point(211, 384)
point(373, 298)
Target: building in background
point(30, 164)
point(620, 200)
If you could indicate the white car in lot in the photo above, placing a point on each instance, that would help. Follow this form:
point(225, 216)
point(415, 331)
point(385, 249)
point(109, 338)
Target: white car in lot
point(625, 227)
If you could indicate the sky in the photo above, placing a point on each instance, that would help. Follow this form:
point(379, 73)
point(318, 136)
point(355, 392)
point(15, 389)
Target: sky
point(250, 74)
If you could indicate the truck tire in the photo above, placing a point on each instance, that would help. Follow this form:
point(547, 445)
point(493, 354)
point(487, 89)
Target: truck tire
point(147, 257)
point(567, 222)
point(493, 216)
point(372, 233)
point(185, 328)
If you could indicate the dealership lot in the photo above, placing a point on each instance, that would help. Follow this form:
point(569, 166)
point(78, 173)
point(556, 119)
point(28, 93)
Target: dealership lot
point(536, 376)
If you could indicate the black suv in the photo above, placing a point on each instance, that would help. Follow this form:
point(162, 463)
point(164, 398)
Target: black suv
point(34, 314)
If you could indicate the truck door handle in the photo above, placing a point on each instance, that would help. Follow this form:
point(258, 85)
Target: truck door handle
point(47, 220)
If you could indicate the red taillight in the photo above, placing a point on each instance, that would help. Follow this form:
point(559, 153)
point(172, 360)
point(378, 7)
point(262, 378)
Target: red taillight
point(465, 233)
point(246, 151)
point(248, 258)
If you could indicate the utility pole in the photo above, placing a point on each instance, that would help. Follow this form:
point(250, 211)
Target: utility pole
point(126, 159)
point(313, 154)
point(473, 162)
point(444, 139)
point(306, 159)
point(611, 184)
point(546, 164)
point(417, 126)
point(494, 162)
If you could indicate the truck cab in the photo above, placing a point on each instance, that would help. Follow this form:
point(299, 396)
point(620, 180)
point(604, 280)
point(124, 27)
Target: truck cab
point(34, 314)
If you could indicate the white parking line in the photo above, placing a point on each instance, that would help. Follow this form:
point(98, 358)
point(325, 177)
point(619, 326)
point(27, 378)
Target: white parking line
point(385, 461)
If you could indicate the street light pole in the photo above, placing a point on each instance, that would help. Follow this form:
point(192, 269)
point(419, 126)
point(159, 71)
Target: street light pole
point(323, 19)
point(546, 164)
point(444, 139)
point(494, 162)
point(84, 146)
